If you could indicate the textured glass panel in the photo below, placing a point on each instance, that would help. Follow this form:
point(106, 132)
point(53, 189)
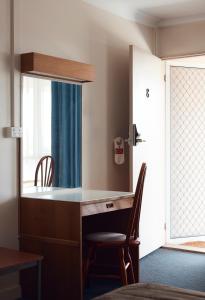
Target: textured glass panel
point(187, 152)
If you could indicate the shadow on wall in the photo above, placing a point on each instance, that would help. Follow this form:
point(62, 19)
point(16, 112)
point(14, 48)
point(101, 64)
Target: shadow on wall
point(9, 221)
point(109, 46)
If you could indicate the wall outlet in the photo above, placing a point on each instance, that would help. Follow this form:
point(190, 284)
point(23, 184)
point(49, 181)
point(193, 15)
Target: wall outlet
point(13, 132)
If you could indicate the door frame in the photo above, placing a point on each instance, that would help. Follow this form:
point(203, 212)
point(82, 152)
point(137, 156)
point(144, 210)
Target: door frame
point(130, 139)
point(167, 154)
point(189, 61)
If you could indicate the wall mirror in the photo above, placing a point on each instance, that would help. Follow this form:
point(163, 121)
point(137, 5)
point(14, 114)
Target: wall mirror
point(52, 126)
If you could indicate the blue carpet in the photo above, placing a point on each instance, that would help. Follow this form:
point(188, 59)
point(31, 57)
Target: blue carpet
point(176, 268)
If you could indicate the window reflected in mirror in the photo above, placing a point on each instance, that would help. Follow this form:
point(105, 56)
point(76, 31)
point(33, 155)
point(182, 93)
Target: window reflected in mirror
point(52, 126)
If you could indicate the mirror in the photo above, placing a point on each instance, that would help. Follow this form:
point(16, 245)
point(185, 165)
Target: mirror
point(52, 126)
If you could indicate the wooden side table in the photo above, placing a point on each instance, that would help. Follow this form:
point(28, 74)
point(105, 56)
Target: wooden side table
point(14, 260)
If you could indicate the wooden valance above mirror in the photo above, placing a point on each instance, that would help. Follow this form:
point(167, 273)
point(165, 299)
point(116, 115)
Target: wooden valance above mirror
point(55, 67)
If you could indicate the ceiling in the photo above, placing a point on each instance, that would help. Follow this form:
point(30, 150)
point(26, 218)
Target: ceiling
point(155, 12)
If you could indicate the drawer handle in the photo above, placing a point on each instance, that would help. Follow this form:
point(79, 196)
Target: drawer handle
point(109, 205)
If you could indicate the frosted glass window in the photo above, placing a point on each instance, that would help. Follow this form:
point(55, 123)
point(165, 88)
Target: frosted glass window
point(187, 100)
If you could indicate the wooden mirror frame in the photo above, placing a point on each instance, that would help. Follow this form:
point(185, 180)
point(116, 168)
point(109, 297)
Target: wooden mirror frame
point(55, 67)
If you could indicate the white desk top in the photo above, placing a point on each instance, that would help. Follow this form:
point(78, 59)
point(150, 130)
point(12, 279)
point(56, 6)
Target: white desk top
point(78, 195)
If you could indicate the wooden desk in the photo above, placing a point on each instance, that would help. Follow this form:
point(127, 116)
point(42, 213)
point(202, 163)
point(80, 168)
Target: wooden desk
point(52, 223)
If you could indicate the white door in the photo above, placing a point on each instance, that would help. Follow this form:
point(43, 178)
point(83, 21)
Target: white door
point(147, 111)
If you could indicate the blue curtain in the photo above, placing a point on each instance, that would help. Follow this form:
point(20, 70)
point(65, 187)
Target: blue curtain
point(66, 133)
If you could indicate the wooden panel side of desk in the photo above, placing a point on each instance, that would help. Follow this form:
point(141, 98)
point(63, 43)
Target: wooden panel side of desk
point(53, 229)
point(48, 218)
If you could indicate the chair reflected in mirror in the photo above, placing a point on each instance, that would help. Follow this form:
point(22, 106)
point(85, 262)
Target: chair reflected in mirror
point(44, 172)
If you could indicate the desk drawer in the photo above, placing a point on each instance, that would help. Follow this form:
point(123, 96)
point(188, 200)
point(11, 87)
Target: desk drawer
point(97, 208)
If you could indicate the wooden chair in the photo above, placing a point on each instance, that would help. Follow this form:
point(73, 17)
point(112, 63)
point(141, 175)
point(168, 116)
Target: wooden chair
point(46, 168)
point(123, 243)
point(13, 261)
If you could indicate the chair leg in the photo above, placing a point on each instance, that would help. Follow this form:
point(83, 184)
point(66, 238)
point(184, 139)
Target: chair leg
point(137, 267)
point(131, 276)
point(122, 266)
point(86, 264)
point(135, 260)
point(39, 280)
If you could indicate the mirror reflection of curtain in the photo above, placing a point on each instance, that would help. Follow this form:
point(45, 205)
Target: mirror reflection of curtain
point(36, 124)
point(66, 133)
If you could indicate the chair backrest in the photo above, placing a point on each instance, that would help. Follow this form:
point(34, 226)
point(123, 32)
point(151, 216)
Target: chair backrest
point(133, 224)
point(45, 167)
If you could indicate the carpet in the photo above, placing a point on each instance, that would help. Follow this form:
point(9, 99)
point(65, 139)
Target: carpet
point(176, 268)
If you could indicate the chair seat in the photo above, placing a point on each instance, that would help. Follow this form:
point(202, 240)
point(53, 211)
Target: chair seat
point(105, 237)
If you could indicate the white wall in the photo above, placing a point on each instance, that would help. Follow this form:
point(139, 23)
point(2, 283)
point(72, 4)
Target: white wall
point(183, 39)
point(8, 187)
point(75, 30)
point(8, 178)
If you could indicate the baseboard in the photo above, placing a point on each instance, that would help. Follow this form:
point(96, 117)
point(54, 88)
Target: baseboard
point(10, 293)
point(184, 248)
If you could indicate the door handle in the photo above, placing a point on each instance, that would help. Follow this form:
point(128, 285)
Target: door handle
point(140, 141)
point(136, 136)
